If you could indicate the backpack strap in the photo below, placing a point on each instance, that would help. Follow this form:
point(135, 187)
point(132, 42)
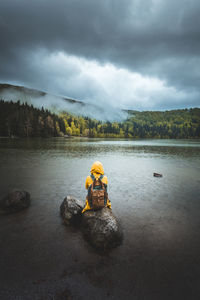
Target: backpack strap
point(104, 186)
point(92, 176)
point(101, 177)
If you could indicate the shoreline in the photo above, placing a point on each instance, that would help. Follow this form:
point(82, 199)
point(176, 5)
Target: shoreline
point(87, 137)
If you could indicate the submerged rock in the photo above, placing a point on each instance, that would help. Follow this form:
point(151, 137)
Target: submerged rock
point(101, 229)
point(70, 210)
point(15, 201)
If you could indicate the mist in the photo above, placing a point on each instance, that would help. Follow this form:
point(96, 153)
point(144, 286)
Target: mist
point(58, 104)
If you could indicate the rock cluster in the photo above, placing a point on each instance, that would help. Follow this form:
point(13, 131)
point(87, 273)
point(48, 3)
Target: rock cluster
point(15, 201)
point(100, 227)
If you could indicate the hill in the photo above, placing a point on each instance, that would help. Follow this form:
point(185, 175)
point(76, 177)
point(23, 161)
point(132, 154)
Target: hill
point(56, 104)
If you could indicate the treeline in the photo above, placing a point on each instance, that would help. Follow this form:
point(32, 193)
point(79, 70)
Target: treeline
point(183, 123)
point(26, 121)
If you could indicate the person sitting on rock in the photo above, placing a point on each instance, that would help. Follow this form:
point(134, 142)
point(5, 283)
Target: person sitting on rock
point(96, 184)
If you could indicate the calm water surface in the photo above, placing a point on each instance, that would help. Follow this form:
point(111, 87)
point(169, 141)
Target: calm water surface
point(159, 259)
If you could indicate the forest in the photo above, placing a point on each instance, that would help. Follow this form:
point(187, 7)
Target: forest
point(23, 120)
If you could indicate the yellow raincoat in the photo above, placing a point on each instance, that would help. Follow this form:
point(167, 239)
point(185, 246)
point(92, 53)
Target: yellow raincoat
point(97, 170)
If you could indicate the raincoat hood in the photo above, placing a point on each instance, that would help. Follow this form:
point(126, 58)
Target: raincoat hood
point(97, 167)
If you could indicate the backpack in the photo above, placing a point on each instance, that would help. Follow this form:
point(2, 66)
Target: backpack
point(97, 193)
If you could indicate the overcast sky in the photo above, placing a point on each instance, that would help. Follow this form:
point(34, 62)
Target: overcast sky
point(136, 54)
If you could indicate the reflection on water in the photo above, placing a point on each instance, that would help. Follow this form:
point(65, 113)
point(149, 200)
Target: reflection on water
point(160, 216)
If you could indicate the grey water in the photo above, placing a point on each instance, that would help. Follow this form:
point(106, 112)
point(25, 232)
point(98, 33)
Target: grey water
point(40, 258)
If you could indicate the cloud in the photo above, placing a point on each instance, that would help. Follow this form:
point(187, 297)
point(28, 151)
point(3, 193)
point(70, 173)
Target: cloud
point(140, 54)
point(104, 84)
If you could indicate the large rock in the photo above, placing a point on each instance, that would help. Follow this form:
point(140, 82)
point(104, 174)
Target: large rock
point(101, 229)
point(15, 201)
point(70, 210)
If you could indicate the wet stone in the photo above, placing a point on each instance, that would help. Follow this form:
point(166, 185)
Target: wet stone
point(70, 210)
point(15, 201)
point(101, 229)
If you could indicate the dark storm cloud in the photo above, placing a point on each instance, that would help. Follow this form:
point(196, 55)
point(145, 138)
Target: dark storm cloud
point(154, 38)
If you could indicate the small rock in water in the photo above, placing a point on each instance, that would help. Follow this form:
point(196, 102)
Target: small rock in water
point(15, 201)
point(70, 210)
point(157, 175)
point(101, 229)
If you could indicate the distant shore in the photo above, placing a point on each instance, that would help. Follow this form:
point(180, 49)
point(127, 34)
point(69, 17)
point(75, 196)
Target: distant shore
point(103, 138)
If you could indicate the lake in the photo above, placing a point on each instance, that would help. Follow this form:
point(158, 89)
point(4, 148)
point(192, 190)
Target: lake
point(40, 258)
